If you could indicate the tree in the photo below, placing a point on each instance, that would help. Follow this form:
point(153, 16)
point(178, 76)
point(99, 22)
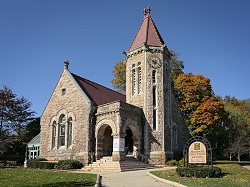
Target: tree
point(119, 82)
point(14, 114)
point(191, 90)
point(119, 72)
point(203, 112)
point(239, 147)
point(176, 66)
point(239, 126)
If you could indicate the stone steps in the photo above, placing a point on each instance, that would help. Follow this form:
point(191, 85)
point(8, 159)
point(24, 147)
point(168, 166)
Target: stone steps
point(107, 165)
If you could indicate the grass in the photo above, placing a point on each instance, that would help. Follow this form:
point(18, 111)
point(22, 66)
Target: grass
point(233, 175)
point(20, 177)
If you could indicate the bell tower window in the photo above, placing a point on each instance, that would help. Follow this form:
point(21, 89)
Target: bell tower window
point(139, 78)
point(153, 77)
point(133, 80)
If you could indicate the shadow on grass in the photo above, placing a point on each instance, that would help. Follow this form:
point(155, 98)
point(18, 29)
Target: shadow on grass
point(64, 184)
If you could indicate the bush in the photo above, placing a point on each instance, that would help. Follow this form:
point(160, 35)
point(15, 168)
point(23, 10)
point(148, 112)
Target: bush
point(69, 164)
point(42, 159)
point(199, 172)
point(33, 163)
point(172, 163)
point(181, 162)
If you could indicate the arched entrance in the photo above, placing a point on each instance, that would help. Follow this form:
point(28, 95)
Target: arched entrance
point(104, 141)
point(129, 143)
point(107, 146)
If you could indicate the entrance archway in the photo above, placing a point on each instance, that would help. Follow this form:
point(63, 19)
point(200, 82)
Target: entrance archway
point(107, 146)
point(104, 141)
point(129, 143)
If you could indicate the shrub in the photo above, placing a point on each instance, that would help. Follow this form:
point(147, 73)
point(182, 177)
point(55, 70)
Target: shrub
point(181, 162)
point(69, 164)
point(199, 172)
point(172, 163)
point(33, 163)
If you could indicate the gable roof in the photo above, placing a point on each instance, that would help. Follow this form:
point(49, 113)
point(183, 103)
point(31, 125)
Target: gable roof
point(147, 34)
point(34, 141)
point(98, 93)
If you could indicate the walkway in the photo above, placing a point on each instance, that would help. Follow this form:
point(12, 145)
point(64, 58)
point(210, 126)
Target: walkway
point(137, 178)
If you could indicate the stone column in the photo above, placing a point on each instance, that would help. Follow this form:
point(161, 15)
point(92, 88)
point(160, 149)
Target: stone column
point(118, 148)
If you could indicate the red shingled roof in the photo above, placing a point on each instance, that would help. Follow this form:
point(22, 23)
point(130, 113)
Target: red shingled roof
point(98, 93)
point(147, 34)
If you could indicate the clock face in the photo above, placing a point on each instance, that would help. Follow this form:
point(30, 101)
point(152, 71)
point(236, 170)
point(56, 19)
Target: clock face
point(154, 61)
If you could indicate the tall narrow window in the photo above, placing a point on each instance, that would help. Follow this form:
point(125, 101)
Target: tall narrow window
point(154, 108)
point(154, 97)
point(54, 135)
point(62, 131)
point(139, 80)
point(153, 77)
point(154, 119)
point(70, 132)
point(133, 80)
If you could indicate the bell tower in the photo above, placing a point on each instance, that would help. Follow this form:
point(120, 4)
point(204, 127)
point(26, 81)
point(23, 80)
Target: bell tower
point(148, 86)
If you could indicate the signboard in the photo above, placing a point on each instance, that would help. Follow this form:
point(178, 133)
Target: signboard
point(197, 153)
point(118, 144)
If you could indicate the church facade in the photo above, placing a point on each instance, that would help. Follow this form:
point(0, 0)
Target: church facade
point(83, 119)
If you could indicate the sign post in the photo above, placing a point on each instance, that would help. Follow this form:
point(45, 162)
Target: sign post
point(197, 151)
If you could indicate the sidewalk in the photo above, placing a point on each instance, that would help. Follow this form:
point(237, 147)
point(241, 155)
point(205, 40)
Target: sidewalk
point(137, 178)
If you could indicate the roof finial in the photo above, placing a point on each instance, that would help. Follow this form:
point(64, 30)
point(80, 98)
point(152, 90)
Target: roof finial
point(146, 11)
point(66, 64)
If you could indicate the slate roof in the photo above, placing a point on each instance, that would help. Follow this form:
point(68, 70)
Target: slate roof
point(97, 93)
point(147, 34)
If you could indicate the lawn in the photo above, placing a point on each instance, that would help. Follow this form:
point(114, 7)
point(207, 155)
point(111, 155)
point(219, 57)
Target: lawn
point(233, 175)
point(20, 177)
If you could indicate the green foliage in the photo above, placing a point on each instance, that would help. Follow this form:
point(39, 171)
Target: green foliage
point(15, 113)
point(16, 177)
point(172, 163)
point(199, 172)
point(119, 82)
point(34, 163)
point(69, 164)
point(232, 175)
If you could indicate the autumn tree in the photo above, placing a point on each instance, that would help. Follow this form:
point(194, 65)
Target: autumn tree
point(203, 112)
point(15, 112)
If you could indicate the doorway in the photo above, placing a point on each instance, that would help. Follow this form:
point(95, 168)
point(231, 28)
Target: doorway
point(107, 146)
point(129, 143)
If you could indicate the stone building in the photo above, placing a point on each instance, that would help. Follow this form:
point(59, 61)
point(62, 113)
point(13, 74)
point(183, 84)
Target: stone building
point(83, 118)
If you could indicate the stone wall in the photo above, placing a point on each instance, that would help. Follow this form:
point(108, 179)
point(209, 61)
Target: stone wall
point(72, 103)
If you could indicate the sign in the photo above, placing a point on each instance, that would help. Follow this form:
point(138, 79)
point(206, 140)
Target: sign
point(118, 144)
point(197, 153)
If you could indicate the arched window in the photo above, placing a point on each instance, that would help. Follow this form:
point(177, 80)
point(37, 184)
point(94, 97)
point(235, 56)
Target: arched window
point(54, 135)
point(70, 132)
point(62, 124)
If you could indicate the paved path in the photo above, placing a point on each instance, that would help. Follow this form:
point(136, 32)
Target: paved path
point(246, 166)
point(137, 178)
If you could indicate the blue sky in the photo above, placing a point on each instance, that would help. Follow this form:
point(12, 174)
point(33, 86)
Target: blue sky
point(212, 37)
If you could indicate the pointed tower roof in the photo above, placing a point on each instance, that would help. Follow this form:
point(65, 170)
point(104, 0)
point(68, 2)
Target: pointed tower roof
point(147, 34)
